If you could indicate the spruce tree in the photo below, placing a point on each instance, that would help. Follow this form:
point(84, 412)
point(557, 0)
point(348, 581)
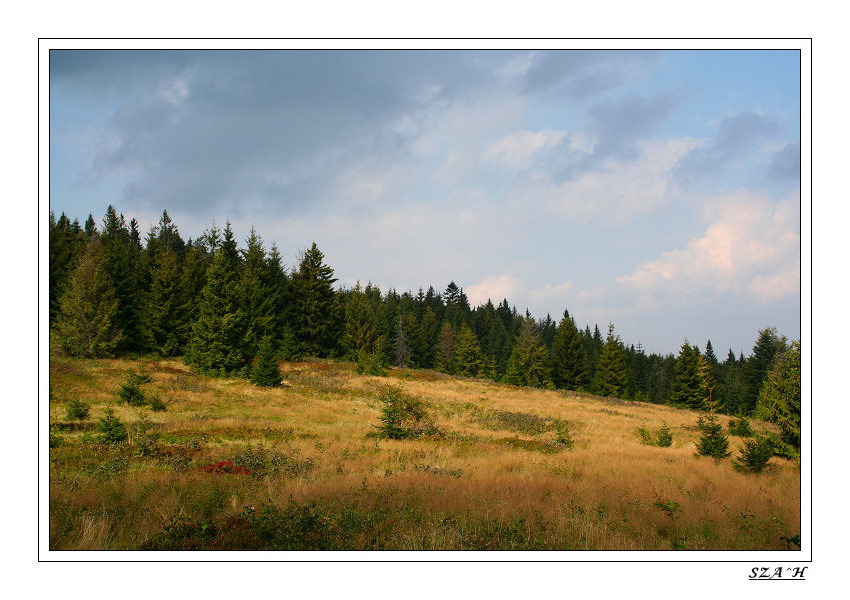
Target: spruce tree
point(567, 355)
point(688, 390)
point(123, 252)
point(266, 371)
point(780, 398)
point(402, 348)
point(767, 346)
point(316, 314)
point(445, 354)
point(87, 324)
point(611, 372)
point(529, 360)
point(712, 442)
point(256, 291)
point(217, 346)
point(467, 353)
point(163, 322)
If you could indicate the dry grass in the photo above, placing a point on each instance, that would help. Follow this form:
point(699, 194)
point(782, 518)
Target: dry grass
point(495, 478)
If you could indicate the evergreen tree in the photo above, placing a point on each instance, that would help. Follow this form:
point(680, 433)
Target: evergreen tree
point(567, 355)
point(768, 345)
point(67, 242)
point(780, 397)
point(688, 387)
point(163, 324)
point(123, 252)
point(217, 346)
point(87, 323)
point(427, 339)
point(266, 371)
point(467, 353)
point(402, 348)
point(445, 361)
point(256, 291)
point(316, 314)
point(529, 361)
point(707, 385)
point(611, 372)
point(712, 442)
point(361, 324)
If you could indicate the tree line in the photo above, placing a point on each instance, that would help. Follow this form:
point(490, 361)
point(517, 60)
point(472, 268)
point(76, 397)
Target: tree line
point(221, 307)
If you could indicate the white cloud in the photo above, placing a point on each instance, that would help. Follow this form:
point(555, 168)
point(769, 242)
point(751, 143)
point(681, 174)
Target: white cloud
point(517, 149)
point(494, 287)
point(751, 246)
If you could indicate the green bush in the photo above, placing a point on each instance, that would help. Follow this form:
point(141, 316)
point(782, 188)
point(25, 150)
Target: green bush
point(112, 430)
point(755, 454)
point(77, 410)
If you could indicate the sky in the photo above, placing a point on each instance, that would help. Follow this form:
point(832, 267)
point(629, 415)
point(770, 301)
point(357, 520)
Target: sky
point(655, 190)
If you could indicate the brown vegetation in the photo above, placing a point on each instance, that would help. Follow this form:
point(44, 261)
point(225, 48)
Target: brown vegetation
point(316, 475)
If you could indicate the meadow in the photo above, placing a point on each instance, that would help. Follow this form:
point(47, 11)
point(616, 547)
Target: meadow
point(232, 466)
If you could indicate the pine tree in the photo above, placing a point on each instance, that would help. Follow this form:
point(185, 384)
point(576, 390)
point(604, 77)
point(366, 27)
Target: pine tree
point(611, 372)
point(567, 355)
point(707, 385)
point(87, 323)
point(316, 314)
point(218, 337)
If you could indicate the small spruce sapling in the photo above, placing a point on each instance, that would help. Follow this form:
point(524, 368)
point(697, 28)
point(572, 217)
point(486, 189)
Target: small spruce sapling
point(77, 410)
point(112, 430)
point(755, 454)
point(712, 442)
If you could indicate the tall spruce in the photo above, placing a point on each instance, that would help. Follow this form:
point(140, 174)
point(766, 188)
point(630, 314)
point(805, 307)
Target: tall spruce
point(467, 353)
point(780, 397)
point(217, 346)
point(88, 321)
point(123, 252)
point(568, 362)
point(688, 388)
point(316, 314)
point(611, 371)
point(163, 323)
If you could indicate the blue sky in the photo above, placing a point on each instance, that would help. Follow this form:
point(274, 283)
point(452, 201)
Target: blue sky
point(658, 190)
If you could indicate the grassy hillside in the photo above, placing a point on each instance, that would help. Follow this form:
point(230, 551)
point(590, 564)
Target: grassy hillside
point(503, 468)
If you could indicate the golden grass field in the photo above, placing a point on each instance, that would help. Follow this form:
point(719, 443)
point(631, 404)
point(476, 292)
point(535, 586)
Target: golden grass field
point(493, 479)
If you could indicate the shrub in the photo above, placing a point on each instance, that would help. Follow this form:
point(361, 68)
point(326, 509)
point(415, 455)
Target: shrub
point(111, 428)
point(755, 454)
point(713, 442)
point(141, 438)
point(77, 410)
point(741, 427)
point(403, 416)
point(564, 436)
